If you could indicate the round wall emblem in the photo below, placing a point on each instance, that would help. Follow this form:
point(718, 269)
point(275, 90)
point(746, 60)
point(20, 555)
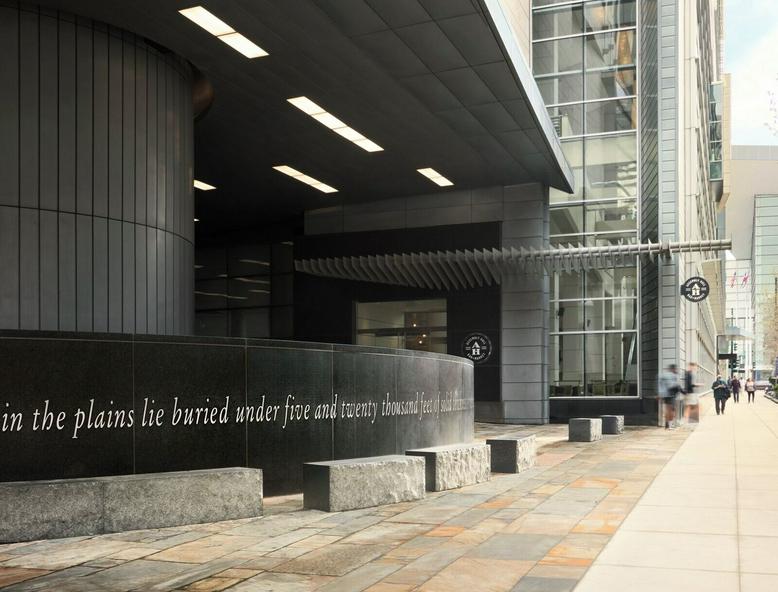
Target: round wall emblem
point(477, 347)
point(695, 289)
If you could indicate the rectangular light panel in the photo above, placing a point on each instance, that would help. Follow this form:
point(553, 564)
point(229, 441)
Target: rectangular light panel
point(297, 175)
point(328, 120)
point(221, 30)
point(435, 177)
point(202, 186)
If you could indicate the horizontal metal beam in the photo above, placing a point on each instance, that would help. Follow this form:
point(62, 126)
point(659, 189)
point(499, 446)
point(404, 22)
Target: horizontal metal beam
point(469, 269)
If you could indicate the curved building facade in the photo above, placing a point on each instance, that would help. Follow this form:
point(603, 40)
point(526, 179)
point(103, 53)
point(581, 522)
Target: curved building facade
point(96, 203)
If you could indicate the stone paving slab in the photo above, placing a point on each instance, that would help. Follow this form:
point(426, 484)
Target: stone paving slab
point(539, 530)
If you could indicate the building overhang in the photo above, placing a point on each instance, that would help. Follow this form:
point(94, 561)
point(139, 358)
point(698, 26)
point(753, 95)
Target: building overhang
point(436, 84)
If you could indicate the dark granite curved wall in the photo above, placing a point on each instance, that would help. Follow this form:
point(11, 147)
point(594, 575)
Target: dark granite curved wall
point(94, 380)
point(96, 204)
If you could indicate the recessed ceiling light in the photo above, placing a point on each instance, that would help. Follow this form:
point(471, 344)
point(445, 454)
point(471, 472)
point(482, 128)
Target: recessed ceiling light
point(243, 45)
point(197, 219)
point(202, 186)
point(207, 20)
point(435, 177)
point(297, 175)
point(218, 28)
point(328, 120)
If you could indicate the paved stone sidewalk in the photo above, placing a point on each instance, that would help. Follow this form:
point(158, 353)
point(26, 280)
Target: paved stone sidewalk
point(709, 522)
point(536, 531)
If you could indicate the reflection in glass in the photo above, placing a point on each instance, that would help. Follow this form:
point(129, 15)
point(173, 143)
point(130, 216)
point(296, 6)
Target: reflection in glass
point(611, 282)
point(611, 364)
point(611, 116)
point(566, 220)
point(611, 14)
point(411, 324)
point(566, 88)
point(566, 368)
point(566, 286)
point(616, 216)
point(562, 55)
point(567, 316)
point(567, 120)
point(606, 50)
point(615, 82)
point(610, 315)
point(557, 22)
point(611, 167)
point(573, 150)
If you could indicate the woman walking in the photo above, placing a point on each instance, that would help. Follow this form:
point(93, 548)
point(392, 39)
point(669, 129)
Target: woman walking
point(720, 394)
point(750, 389)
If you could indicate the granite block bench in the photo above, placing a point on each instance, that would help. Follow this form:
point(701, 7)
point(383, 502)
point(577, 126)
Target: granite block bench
point(354, 483)
point(455, 465)
point(31, 510)
point(513, 454)
point(612, 425)
point(584, 429)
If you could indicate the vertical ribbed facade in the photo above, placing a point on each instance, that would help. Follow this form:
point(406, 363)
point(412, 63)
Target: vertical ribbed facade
point(96, 204)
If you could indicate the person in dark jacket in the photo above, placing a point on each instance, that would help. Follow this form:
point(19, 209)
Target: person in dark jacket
point(735, 385)
point(720, 394)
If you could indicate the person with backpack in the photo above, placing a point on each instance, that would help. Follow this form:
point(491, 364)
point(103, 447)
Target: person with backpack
point(691, 400)
point(750, 389)
point(720, 394)
point(734, 385)
point(668, 390)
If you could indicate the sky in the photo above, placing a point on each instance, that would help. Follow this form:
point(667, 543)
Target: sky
point(751, 57)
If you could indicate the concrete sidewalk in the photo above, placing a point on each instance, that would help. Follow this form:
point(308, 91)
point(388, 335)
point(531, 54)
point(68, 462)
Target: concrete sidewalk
point(709, 521)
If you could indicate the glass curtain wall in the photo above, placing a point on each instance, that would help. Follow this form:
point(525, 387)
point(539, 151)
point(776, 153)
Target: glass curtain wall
point(585, 64)
point(765, 284)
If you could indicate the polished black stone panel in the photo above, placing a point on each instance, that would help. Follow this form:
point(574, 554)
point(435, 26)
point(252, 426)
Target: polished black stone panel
point(81, 379)
point(187, 382)
point(289, 403)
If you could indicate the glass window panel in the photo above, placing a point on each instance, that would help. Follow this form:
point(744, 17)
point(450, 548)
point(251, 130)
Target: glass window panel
point(573, 150)
point(612, 14)
point(715, 131)
point(211, 294)
point(611, 282)
point(248, 260)
point(616, 216)
point(249, 291)
point(611, 116)
point(611, 364)
point(568, 120)
point(615, 82)
point(413, 324)
point(567, 285)
point(562, 55)
point(715, 151)
point(611, 167)
point(567, 316)
point(610, 315)
point(254, 322)
point(566, 368)
point(615, 238)
point(607, 50)
point(567, 220)
point(557, 22)
point(283, 290)
point(283, 258)
point(210, 263)
point(715, 170)
point(214, 323)
point(566, 88)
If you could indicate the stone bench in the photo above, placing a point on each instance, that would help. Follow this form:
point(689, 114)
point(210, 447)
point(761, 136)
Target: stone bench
point(512, 454)
point(31, 510)
point(353, 483)
point(584, 429)
point(455, 465)
point(612, 425)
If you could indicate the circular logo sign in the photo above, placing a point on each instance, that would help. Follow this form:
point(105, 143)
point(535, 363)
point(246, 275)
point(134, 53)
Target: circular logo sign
point(477, 347)
point(695, 289)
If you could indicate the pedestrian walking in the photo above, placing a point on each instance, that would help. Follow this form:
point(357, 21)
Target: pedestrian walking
point(668, 390)
point(734, 385)
point(750, 389)
point(691, 400)
point(720, 394)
